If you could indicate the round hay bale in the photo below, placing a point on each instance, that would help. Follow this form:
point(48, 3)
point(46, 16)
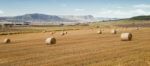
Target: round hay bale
point(99, 32)
point(62, 33)
point(50, 40)
point(126, 36)
point(113, 31)
point(7, 40)
point(66, 32)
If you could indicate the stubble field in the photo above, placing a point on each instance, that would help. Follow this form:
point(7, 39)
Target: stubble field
point(78, 48)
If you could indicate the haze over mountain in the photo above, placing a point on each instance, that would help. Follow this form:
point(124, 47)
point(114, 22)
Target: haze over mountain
point(85, 18)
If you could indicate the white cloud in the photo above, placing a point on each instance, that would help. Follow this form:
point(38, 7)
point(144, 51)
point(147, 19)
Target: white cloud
point(142, 6)
point(141, 11)
point(136, 10)
point(111, 13)
point(79, 9)
point(122, 13)
point(1, 12)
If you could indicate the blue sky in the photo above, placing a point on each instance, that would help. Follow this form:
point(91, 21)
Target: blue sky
point(97, 8)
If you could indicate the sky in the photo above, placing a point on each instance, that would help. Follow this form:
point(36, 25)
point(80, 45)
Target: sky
point(97, 8)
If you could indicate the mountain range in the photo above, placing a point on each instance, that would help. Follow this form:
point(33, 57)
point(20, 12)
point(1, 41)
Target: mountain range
point(36, 17)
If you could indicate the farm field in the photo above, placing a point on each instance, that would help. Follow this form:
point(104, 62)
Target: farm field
point(74, 32)
point(82, 47)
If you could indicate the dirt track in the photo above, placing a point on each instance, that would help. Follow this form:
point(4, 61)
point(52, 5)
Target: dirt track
point(77, 48)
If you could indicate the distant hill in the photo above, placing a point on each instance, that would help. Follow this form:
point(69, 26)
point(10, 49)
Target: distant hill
point(47, 18)
point(141, 18)
point(33, 18)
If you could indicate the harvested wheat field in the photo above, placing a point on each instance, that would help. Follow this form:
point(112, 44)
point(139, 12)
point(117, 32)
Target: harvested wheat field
point(78, 48)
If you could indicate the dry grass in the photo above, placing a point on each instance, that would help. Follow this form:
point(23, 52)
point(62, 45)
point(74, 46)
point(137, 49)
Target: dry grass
point(32, 29)
point(78, 48)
